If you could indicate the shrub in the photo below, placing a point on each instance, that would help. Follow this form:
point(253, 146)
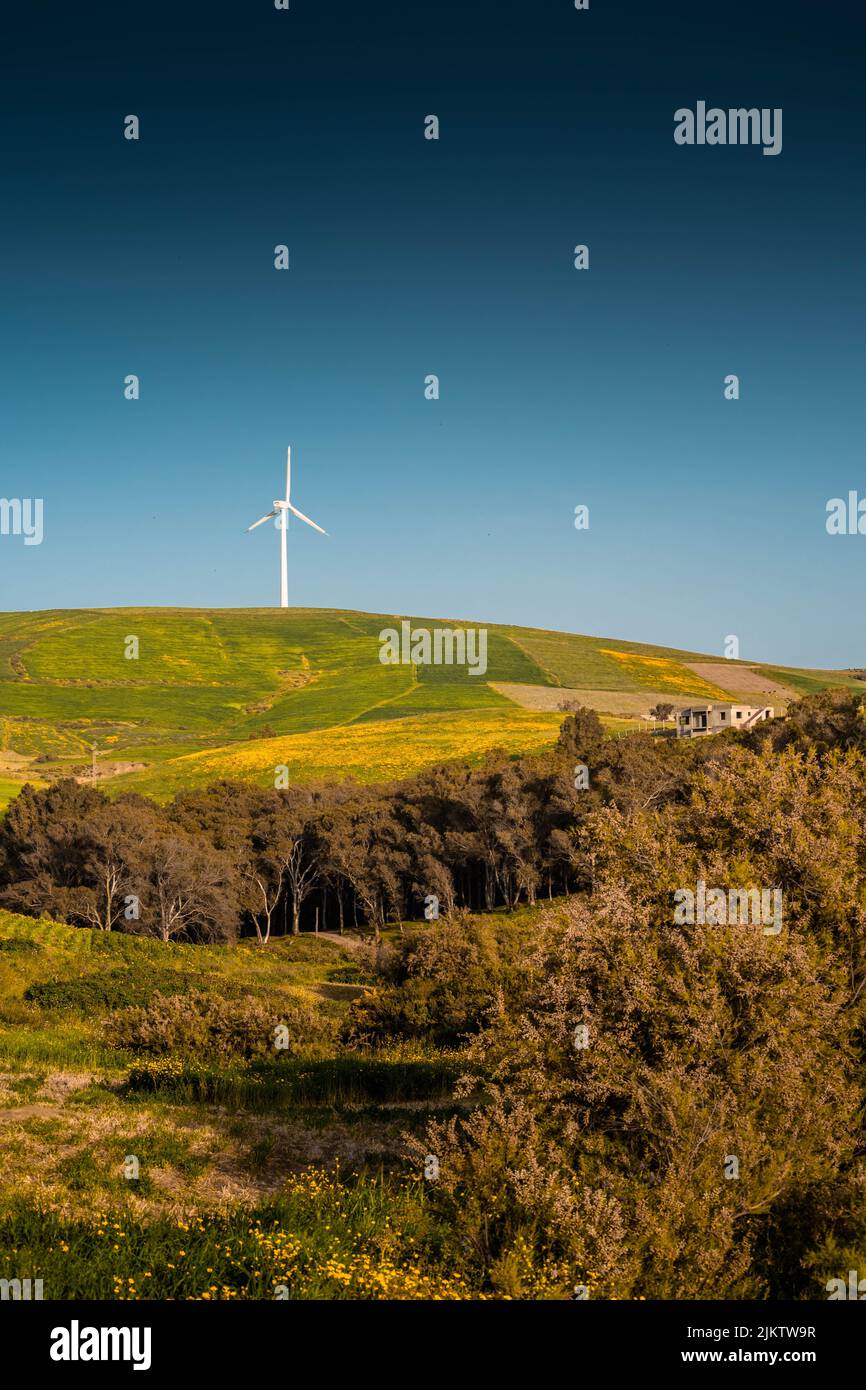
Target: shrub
point(213, 1027)
point(611, 1150)
point(108, 990)
point(20, 946)
point(440, 985)
point(329, 1081)
point(351, 974)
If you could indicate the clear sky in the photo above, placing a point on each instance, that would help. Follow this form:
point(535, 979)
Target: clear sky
point(454, 257)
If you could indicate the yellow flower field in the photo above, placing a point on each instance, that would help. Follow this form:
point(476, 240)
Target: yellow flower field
point(372, 751)
point(661, 673)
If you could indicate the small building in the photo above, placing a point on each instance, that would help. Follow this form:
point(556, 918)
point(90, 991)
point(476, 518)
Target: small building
point(715, 719)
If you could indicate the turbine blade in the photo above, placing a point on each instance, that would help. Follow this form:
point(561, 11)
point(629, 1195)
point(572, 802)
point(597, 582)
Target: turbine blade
point(260, 521)
point(301, 517)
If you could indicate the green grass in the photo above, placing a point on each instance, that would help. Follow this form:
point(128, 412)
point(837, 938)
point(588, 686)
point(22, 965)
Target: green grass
point(809, 682)
point(291, 1082)
point(283, 1177)
point(10, 789)
point(368, 1238)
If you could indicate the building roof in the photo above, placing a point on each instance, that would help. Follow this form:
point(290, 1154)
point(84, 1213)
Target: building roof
point(705, 709)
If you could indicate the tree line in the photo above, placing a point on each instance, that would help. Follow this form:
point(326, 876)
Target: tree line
point(234, 859)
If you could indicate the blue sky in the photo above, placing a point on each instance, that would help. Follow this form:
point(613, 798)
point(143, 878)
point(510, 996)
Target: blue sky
point(453, 257)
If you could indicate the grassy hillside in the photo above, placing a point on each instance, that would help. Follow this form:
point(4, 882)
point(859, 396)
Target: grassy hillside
point(240, 1183)
point(215, 692)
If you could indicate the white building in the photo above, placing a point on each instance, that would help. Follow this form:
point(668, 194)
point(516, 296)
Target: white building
point(714, 719)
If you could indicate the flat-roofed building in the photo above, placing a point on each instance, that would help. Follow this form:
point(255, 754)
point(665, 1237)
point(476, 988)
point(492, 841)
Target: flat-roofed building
point(715, 719)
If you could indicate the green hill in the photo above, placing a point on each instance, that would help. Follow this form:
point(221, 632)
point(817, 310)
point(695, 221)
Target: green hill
point(239, 691)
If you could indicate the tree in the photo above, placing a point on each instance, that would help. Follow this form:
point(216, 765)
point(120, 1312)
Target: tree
point(663, 711)
point(187, 891)
point(517, 813)
point(581, 736)
point(264, 877)
point(293, 853)
point(104, 909)
point(639, 1061)
point(828, 719)
point(112, 857)
point(69, 852)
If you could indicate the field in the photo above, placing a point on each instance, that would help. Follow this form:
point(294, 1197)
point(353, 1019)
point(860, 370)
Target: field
point(209, 693)
point(207, 1178)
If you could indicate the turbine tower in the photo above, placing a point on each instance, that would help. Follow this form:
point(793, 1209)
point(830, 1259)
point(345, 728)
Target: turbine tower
point(282, 507)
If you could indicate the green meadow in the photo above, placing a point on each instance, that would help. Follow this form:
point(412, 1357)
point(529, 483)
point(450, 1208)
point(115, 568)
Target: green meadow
point(288, 1170)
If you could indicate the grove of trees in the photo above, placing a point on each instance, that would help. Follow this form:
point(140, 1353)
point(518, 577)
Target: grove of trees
point(236, 859)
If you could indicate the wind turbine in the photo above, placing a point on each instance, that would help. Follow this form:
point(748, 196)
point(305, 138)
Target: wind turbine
point(282, 509)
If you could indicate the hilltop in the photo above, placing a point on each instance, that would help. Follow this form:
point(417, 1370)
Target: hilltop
point(235, 692)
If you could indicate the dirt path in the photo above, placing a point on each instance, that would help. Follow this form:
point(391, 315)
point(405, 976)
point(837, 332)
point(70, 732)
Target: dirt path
point(351, 943)
point(28, 1112)
point(53, 1093)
